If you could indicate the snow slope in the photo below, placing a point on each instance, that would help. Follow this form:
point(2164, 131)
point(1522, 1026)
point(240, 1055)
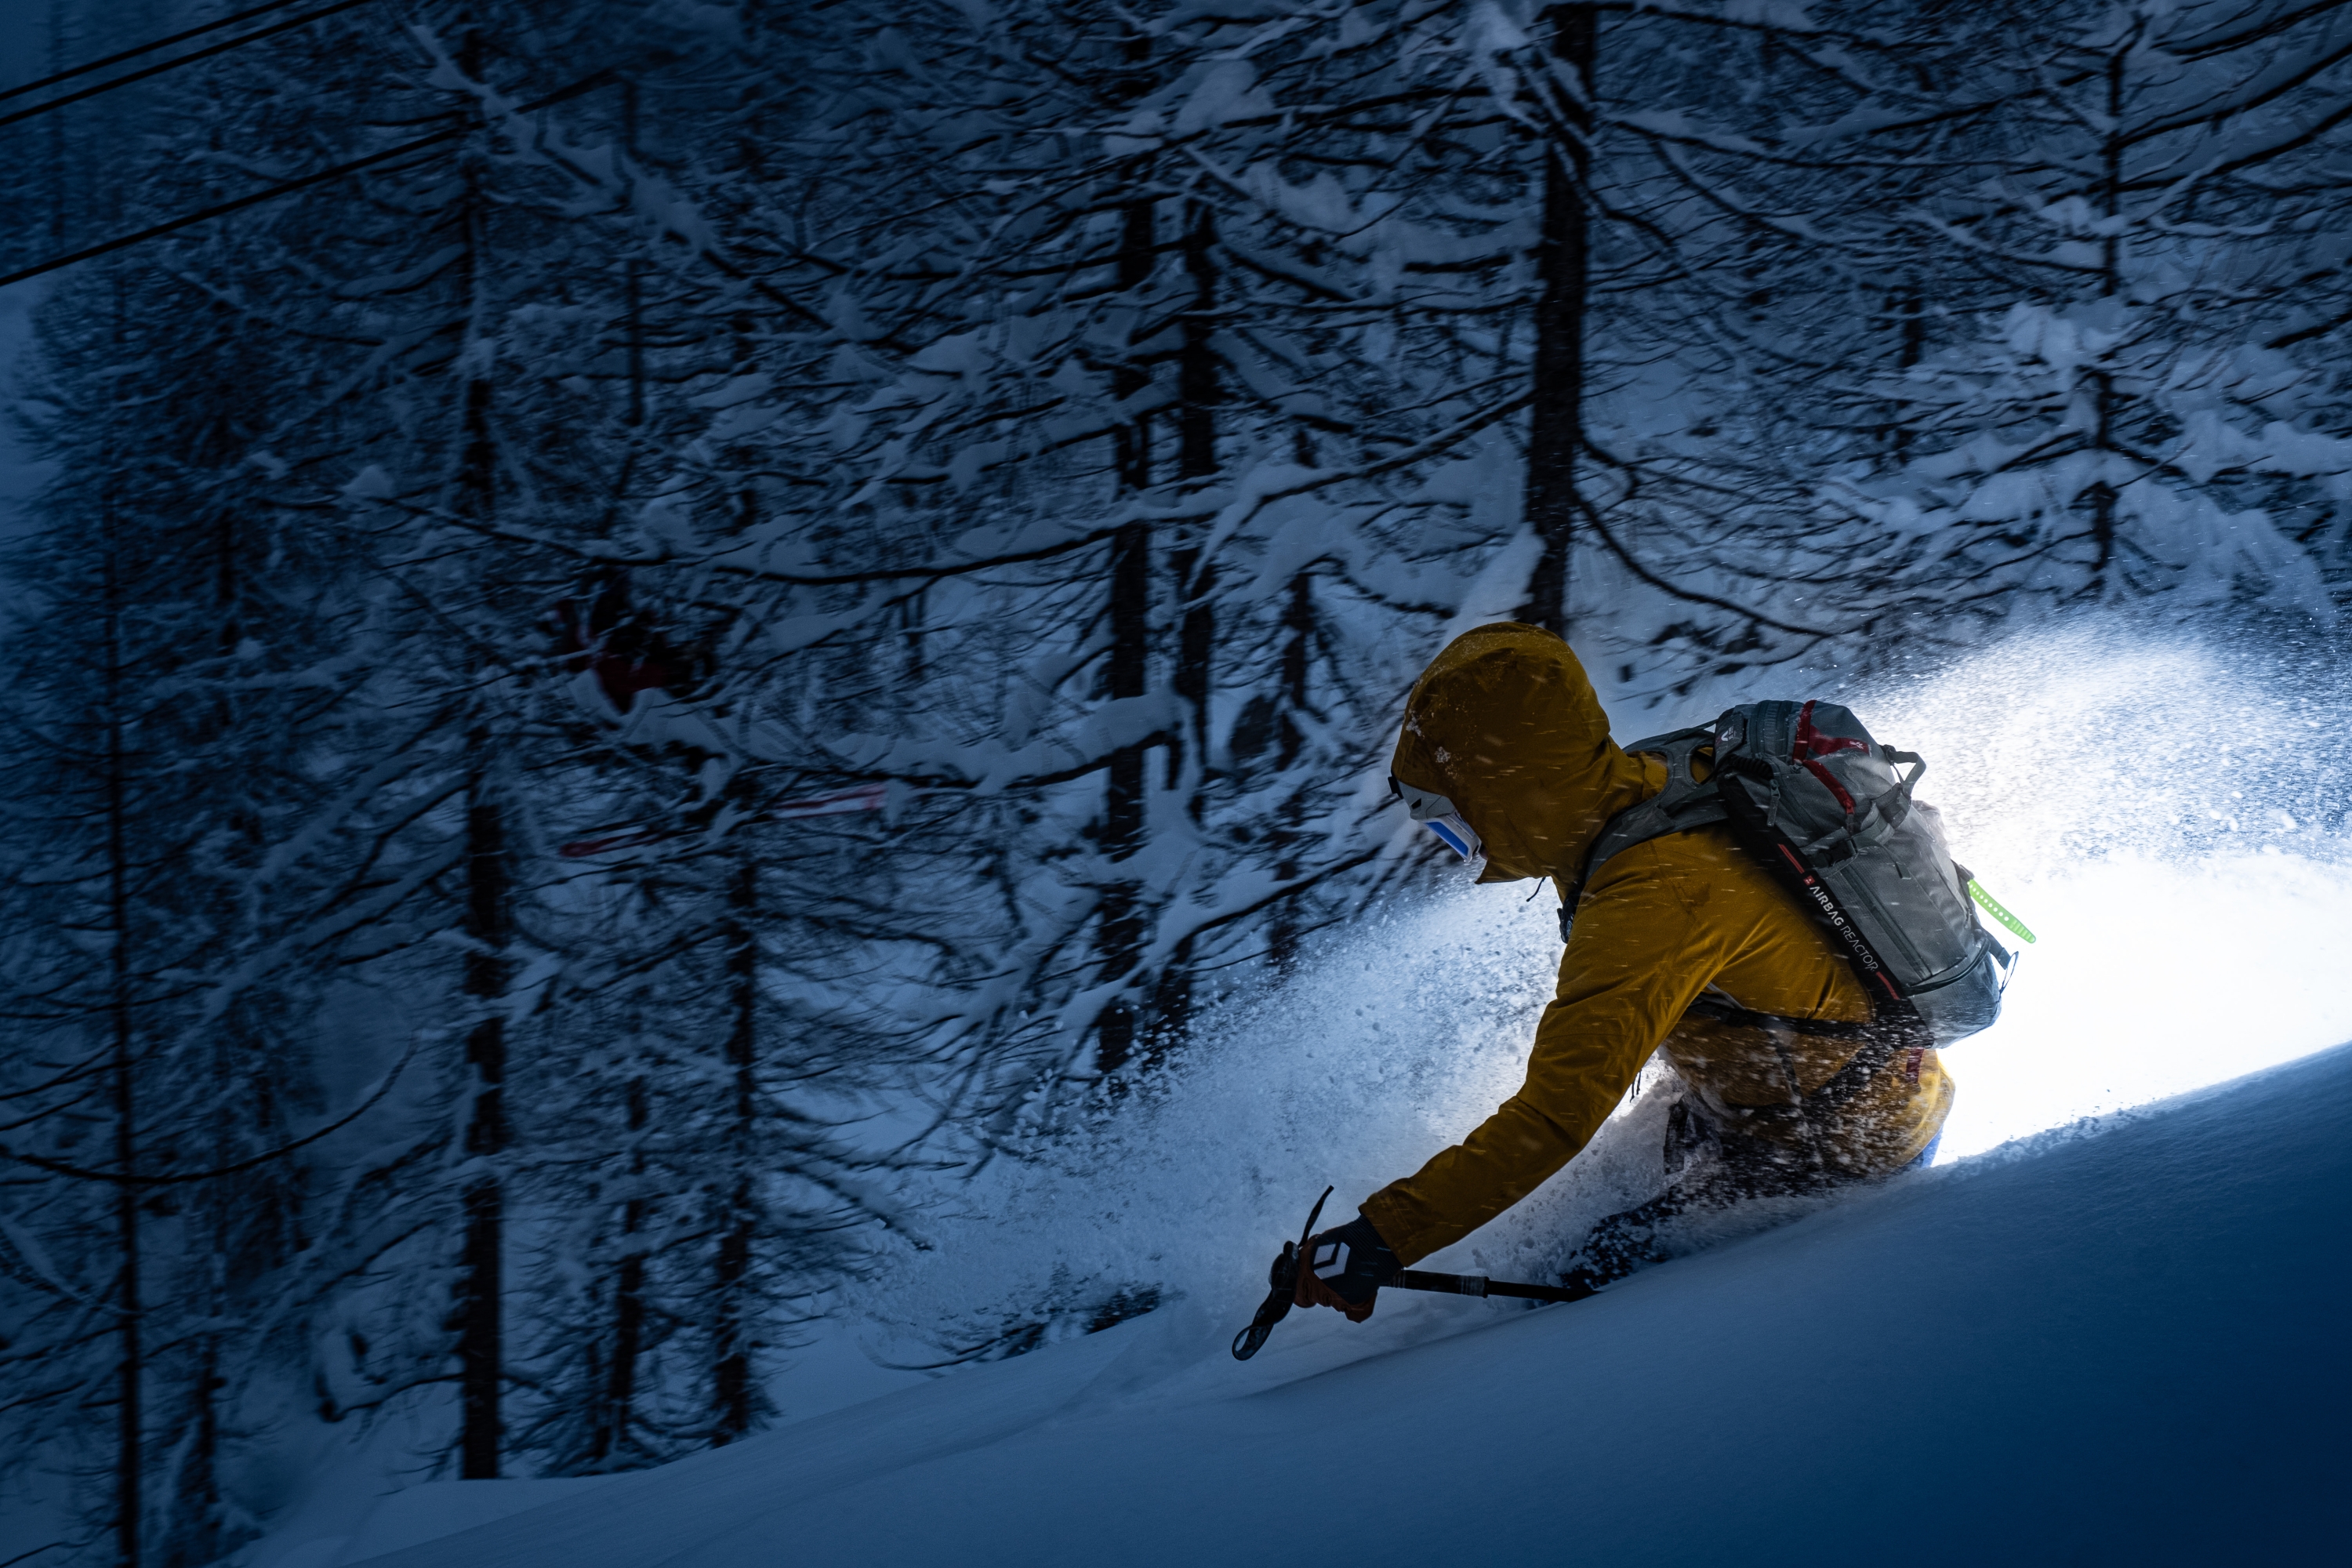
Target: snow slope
point(2122, 1343)
point(2192, 889)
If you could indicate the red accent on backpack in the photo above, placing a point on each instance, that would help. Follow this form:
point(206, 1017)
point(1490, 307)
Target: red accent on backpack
point(1811, 744)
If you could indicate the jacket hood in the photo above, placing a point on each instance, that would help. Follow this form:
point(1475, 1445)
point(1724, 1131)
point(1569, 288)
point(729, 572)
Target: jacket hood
point(1505, 724)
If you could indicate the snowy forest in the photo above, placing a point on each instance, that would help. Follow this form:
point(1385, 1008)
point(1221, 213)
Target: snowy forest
point(654, 630)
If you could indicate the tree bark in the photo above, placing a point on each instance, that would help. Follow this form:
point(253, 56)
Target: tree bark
point(1911, 343)
point(634, 275)
point(612, 1434)
point(1127, 668)
point(480, 1296)
point(732, 1396)
point(196, 1534)
point(2101, 494)
point(480, 1302)
point(1563, 266)
point(129, 1500)
point(1197, 394)
point(1290, 739)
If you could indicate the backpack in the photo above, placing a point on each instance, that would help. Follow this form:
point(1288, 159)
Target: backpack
point(1826, 809)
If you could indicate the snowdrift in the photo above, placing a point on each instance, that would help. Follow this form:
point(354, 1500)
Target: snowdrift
point(2120, 1342)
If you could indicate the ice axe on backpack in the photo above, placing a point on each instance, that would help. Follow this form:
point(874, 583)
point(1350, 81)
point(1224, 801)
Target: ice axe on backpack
point(1283, 1281)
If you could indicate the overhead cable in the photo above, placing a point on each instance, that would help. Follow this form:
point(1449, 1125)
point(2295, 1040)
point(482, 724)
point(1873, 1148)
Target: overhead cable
point(84, 69)
point(160, 43)
point(172, 64)
point(187, 220)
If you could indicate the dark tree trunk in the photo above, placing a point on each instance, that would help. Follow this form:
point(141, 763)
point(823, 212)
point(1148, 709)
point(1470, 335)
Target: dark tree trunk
point(196, 1537)
point(730, 1375)
point(1121, 933)
point(481, 1299)
point(1197, 394)
point(480, 1296)
point(734, 1405)
point(1563, 266)
point(130, 1449)
point(2102, 495)
point(129, 1500)
point(1911, 344)
point(1290, 739)
point(612, 1434)
point(628, 1337)
point(633, 277)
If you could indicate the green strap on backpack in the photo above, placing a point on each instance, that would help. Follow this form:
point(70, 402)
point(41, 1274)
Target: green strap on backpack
point(1991, 906)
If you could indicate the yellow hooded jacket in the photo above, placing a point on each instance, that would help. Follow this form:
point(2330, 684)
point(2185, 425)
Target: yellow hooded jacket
point(1505, 724)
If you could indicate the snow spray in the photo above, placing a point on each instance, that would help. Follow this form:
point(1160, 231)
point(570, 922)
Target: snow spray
point(2164, 810)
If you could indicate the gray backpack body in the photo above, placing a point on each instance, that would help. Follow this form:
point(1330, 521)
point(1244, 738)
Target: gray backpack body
point(1830, 813)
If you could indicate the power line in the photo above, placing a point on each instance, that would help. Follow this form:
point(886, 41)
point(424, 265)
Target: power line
point(321, 177)
point(87, 68)
point(174, 64)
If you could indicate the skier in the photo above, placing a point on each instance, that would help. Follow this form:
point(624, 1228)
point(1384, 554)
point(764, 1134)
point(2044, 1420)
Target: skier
point(1792, 1079)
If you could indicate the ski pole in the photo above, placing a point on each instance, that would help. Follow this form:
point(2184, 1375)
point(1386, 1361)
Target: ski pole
point(1479, 1285)
point(1282, 1281)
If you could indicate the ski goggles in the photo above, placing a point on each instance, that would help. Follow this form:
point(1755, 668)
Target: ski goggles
point(1438, 814)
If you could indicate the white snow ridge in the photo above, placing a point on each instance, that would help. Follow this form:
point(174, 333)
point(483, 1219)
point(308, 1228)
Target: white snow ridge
point(2118, 1344)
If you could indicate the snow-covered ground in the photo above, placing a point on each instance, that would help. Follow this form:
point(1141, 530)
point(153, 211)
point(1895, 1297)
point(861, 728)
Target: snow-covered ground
point(2074, 1340)
point(2120, 1344)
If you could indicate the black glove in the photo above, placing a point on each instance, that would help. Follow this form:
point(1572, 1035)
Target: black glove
point(1346, 1268)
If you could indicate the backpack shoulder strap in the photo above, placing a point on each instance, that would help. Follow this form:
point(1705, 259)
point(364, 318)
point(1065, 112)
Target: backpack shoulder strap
point(1683, 805)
